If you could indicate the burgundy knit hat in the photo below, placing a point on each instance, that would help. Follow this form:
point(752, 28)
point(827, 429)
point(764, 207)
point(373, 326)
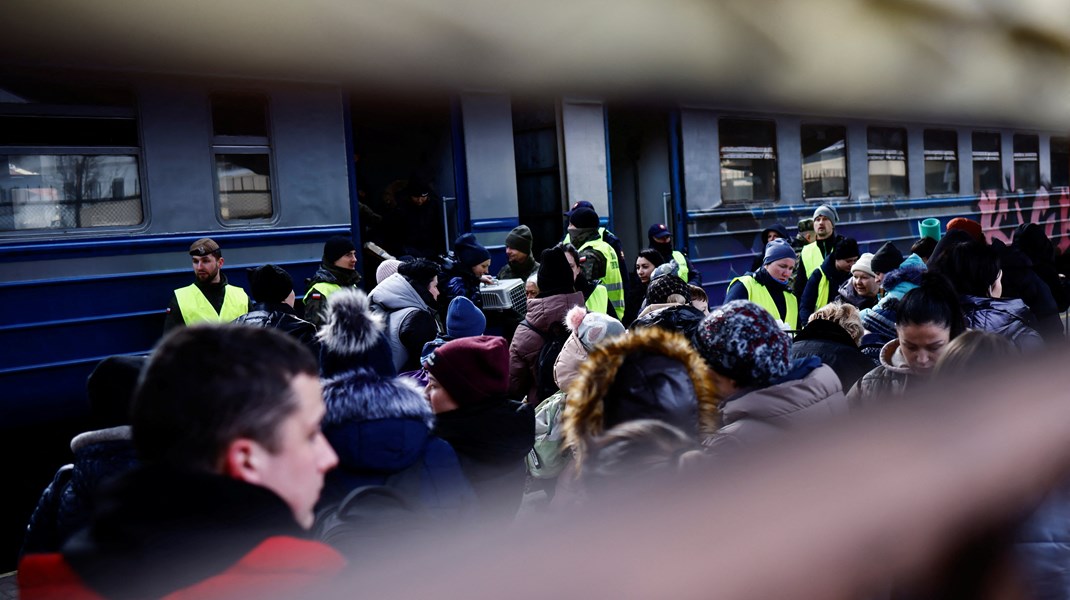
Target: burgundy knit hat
point(473, 369)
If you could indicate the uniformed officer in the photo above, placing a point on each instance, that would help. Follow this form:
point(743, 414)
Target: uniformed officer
point(210, 298)
point(660, 239)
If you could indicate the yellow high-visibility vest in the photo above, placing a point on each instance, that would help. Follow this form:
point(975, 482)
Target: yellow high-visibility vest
point(613, 281)
point(197, 309)
point(759, 294)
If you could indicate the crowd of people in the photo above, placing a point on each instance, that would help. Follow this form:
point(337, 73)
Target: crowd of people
point(266, 444)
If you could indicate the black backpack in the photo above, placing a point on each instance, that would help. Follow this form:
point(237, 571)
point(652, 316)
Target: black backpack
point(552, 342)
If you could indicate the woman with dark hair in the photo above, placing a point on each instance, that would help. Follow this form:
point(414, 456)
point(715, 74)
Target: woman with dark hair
point(928, 318)
point(648, 260)
point(974, 270)
point(406, 301)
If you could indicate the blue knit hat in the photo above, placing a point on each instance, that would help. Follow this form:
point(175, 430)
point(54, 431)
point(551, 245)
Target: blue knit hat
point(742, 341)
point(463, 319)
point(469, 251)
point(778, 249)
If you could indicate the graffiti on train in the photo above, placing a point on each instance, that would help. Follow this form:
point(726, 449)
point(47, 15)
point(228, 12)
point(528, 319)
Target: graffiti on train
point(1001, 212)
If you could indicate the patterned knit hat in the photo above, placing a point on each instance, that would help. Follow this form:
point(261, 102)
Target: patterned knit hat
point(742, 341)
point(597, 327)
point(880, 320)
point(662, 288)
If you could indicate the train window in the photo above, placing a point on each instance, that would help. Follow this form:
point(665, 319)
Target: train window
point(748, 160)
point(941, 162)
point(987, 161)
point(887, 154)
point(244, 186)
point(242, 150)
point(1060, 162)
point(1026, 162)
point(824, 158)
point(69, 156)
point(69, 191)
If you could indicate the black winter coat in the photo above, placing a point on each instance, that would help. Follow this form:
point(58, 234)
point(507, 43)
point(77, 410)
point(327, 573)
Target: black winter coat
point(491, 440)
point(1007, 317)
point(834, 346)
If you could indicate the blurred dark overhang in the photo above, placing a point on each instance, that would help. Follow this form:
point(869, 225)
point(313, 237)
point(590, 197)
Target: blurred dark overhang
point(967, 60)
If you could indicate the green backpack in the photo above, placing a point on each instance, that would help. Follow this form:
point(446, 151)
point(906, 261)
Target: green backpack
point(546, 459)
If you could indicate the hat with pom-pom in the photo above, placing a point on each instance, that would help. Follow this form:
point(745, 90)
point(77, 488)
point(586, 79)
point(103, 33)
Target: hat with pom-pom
point(353, 336)
point(743, 342)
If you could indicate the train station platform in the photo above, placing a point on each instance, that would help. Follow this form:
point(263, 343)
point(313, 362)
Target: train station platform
point(9, 588)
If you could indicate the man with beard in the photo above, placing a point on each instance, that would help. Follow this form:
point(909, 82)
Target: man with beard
point(209, 298)
point(518, 250)
point(815, 253)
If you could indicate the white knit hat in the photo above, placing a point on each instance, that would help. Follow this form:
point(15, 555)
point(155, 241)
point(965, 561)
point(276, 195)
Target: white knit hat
point(864, 264)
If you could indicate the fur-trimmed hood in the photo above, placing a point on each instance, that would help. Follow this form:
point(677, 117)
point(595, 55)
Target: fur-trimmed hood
point(375, 425)
point(364, 395)
point(664, 378)
point(353, 335)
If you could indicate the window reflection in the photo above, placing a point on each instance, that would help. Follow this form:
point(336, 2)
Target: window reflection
point(824, 156)
point(887, 154)
point(69, 191)
point(748, 160)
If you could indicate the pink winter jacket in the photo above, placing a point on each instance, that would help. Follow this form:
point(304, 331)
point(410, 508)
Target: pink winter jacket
point(543, 314)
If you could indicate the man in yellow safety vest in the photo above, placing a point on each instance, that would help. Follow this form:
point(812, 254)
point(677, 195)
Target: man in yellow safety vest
point(598, 257)
point(210, 298)
point(815, 253)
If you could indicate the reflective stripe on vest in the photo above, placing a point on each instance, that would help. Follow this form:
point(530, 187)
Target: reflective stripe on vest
point(812, 258)
point(197, 309)
point(681, 264)
point(822, 292)
point(613, 281)
point(759, 294)
point(598, 300)
point(324, 288)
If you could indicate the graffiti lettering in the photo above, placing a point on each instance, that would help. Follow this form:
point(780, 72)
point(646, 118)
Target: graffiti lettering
point(1000, 213)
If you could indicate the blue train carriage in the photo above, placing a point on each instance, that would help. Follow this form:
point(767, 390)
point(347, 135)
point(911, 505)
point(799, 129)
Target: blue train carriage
point(742, 172)
point(105, 182)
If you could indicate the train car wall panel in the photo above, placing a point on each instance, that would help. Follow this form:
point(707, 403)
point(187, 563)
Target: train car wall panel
point(585, 163)
point(700, 140)
point(176, 132)
point(310, 157)
point(789, 160)
point(490, 161)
